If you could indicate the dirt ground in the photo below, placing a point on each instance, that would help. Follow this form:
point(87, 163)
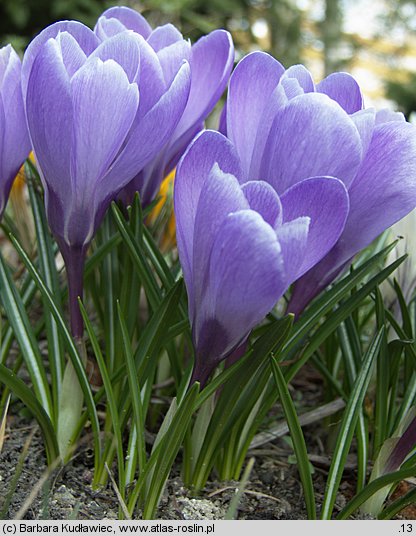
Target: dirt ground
point(273, 491)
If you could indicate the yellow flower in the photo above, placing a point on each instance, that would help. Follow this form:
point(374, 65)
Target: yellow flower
point(163, 214)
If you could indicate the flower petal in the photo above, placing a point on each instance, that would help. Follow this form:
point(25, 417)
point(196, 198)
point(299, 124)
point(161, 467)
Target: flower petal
point(164, 36)
point(193, 169)
point(302, 75)
point(171, 58)
point(129, 18)
point(123, 48)
point(344, 89)
point(364, 120)
point(325, 202)
point(246, 279)
point(85, 38)
point(383, 193)
point(251, 85)
point(104, 104)
point(293, 239)
point(50, 119)
point(311, 136)
point(150, 133)
point(220, 195)
point(263, 199)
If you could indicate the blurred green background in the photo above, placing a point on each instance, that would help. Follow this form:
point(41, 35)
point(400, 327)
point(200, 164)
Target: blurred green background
point(373, 39)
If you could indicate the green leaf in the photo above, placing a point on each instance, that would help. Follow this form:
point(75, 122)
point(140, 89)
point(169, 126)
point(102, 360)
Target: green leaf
point(298, 440)
point(71, 348)
point(20, 389)
point(348, 424)
point(23, 331)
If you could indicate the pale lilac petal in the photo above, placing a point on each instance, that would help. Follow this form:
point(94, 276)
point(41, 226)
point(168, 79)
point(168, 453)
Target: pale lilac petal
point(344, 89)
point(263, 199)
point(291, 87)
point(311, 136)
point(293, 240)
point(164, 36)
point(212, 59)
point(365, 120)
point(106, 28)
point(72, 54)
point(129, 18)
point(149, 134)
point(251, 86)
point(85, 38)
point(241, 288)
point(49, 97)
point(220, 195)
point(171, 58)
point(383, 193)
point(325, 202)
point(386, 116)
point(14, 138)
point(207, 148)
point(104, 106)
point(151, 81)
point(303, 77)
point(125, 50)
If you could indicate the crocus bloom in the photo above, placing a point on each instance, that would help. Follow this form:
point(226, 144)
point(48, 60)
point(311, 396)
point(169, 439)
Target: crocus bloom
point(241, 244)
point(14, 139)
point(97, 114)
point(210, 59)
point(286, 129)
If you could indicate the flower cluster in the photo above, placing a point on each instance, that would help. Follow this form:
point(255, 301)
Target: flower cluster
point(299, 178)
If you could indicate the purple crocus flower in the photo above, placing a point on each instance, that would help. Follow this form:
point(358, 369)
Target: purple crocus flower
point(97, 114)
point(211, 60)
point(241, 244)
point(14, 139)
point(286, 129)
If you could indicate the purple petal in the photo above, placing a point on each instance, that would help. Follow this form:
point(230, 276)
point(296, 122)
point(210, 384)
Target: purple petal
point(303, 77)
point(263, 199)
point(364, 120)
point(150, 133)
point(86, 39)
point(72, 54)
point(164, 36)
point(293, 239)
point(344, 89)
point(325, 202)
point(212, 59)
point(245, 281)
point(311, 136)
point(129, 18)
point(206, 149)
point(386, 116)
point(125, 50)
point(50, 121)
point(251, 86)
point(383, 193)
point(104, 104)
point(151, 79)
point(220, 195)
point(15, 145)
point(171, 58)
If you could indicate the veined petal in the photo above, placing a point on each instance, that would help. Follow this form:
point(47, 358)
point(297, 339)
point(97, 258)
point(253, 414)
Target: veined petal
point(386, 116)
point(302, 75)
point(263, 199)
point(293, 239)
point(123, 48)
point(129, 18)
point(251, 85)
point(50, 119)
point(104, 104)
point(73, 56)
point(164, 36)
point(344, 89)
point(311, 136)
point(212, 59)
point(85, 38)
point(385, 188)
point(220, 195)
point(150, 133)
point(324, 201)
point(193, 169)
point(383, 193)
point(246, 279)
point(364, 120)
point(171, 58)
